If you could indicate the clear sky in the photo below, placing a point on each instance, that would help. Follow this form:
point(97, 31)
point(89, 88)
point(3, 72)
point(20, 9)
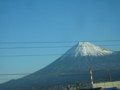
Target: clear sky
point(52, 21)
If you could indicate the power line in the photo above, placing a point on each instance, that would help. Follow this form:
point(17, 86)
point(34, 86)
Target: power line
point(49, 47)
point(59, 42)
point(46, 76)
point(54, 73)
point(35, 47)
point(41, 54)
point(33, 55)
point(28, 55)
point(37, 74)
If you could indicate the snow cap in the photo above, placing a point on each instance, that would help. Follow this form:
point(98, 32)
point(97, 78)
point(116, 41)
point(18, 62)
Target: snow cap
point(88, 49)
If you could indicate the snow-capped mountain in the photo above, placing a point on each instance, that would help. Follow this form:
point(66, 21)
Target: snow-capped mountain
point(88, 49)
point(80, 58)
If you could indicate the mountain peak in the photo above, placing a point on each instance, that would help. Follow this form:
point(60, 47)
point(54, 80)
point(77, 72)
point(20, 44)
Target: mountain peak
point(83, 44)
point(88, 49)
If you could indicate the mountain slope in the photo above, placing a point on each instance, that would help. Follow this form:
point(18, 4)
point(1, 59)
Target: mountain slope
point(79, 59)
point(82, 56)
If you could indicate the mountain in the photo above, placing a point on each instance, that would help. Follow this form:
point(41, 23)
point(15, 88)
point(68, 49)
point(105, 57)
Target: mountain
point(88, 49)
point(83, 56)
point(73, 66)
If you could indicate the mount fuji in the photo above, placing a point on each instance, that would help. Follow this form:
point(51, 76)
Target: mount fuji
point(72, 66)
point(88, 49)
point(84, 56)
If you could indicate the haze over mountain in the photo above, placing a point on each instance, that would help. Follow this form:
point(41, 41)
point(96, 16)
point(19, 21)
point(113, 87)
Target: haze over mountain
point(79, 59)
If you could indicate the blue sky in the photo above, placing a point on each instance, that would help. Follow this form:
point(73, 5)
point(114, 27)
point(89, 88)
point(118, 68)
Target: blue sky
point(53, 21)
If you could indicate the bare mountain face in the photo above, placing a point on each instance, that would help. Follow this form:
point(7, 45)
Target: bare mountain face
point(79, 58)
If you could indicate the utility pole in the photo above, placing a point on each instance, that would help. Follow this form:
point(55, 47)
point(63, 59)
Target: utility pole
point(91, 79)
point(110, 77)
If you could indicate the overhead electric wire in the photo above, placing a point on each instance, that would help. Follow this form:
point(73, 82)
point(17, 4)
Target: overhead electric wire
point(49, 47)
point(31, 55)
point(59, 41)
point(9, 74)
point(46, 76)
point(56, 73)
point(41, 47)
point(35, 47)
